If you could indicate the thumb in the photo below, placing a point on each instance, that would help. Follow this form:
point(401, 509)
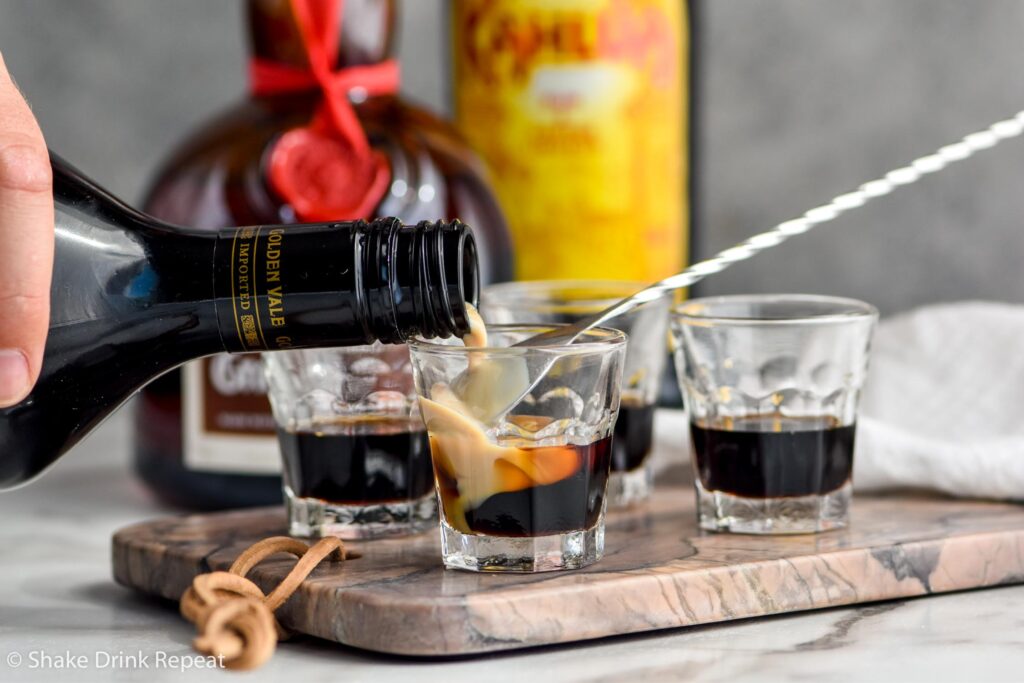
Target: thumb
point(26, 233)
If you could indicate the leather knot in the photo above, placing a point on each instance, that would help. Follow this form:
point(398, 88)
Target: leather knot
point(234, 618)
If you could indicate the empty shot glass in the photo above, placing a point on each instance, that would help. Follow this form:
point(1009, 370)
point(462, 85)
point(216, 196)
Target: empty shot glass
point(521, 478)
point(771, 385)
point(566, 301)
point(355, 454)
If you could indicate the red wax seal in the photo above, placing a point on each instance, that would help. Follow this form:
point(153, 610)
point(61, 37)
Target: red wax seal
point(323, 178)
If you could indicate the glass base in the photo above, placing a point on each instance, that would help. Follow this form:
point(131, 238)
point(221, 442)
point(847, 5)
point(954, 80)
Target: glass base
point(629, 488)
point(571, 550)
point(312, 517)
point(719, 511)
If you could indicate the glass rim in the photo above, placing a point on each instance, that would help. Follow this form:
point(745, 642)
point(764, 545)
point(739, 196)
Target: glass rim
point(609, 339)
point(522, 294)
point(845, 310)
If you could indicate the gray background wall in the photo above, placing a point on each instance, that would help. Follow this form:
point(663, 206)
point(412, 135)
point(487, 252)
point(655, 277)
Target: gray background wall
point(801, 100)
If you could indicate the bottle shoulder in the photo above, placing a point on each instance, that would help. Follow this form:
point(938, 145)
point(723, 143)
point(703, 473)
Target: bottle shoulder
point(211, 179)
point(240, 133)
point(216, 176)
point(435, 170)
point(390, 114)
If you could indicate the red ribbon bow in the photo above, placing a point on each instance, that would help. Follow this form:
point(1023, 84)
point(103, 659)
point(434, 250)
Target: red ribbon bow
point(326, 170)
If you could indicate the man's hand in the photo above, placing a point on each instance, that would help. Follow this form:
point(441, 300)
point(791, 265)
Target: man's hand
point(26, 243)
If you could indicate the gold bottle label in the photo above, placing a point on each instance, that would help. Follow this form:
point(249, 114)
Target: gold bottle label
point(257, 290)
point(580, 109)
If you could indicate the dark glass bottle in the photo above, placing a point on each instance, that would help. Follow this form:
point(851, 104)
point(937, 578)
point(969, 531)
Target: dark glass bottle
point(133, 297)
point(204, 436)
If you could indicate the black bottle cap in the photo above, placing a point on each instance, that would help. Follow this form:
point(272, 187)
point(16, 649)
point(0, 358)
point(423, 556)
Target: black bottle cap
point(418, 279)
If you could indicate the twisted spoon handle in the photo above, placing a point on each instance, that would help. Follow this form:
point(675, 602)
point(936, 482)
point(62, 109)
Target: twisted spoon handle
point(975, 142)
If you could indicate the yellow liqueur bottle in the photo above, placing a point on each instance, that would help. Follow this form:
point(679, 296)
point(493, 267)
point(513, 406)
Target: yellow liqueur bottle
point(581, 110)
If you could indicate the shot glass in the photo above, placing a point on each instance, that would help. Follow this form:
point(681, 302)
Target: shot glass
point(566, 301)
point(771, 384)
point(355, 454)
point(521, 477)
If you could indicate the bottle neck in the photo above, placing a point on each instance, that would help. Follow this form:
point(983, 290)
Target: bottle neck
point(342, 284)
point(366, 36)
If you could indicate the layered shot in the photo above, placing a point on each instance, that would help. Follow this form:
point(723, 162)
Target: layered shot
point(568, 301)
point(521, 439)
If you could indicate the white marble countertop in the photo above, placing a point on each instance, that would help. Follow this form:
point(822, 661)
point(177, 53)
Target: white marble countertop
point(57, 598)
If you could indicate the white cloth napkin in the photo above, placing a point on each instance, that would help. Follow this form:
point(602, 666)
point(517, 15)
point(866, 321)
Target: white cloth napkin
point(943, 405)
point(942, 408)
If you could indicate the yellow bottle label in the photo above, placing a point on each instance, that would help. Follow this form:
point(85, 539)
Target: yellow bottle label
point(579, 108)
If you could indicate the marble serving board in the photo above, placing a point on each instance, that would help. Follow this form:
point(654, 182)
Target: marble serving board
point(659, 572)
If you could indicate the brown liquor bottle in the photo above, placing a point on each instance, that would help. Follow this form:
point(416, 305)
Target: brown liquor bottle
point(322, 137)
